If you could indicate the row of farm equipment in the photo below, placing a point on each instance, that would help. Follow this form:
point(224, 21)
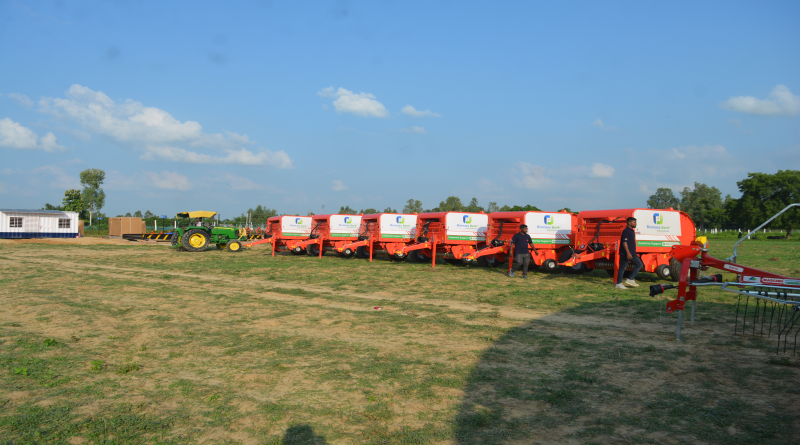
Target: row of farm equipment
point(572, 243)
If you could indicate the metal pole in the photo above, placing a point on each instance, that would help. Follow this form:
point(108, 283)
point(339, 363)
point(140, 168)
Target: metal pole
point(733, 257)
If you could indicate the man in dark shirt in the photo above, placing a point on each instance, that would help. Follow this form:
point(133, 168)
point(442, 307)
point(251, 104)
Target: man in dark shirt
point(519, 247)
point(627, 254)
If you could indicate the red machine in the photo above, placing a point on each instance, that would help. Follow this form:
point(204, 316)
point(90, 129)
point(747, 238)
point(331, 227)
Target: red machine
point(385, 233)
point(454, 236)
point(596, 244)
point(283, 230)
point(329, 233)
point(552, 234)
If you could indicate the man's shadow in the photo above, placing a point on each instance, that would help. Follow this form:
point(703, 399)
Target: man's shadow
point(302, 435)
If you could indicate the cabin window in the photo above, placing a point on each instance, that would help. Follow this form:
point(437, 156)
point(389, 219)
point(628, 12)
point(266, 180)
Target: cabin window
point(16, 221)
point(63, 223)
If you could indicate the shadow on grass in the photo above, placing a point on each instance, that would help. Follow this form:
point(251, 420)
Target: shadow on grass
point(539, 382)
point(302, 435)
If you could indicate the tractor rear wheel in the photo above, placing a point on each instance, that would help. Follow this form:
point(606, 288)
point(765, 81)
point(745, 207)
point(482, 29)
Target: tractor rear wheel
point(234, 246)
point(675, 269)
point(313, 250)
point(195, 240)
point(550, 266)
point(363, 252)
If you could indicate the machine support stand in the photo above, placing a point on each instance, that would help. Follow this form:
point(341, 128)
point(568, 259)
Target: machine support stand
point(321, 245)
point(433, 252)
point(370, 249)
point(273, 247)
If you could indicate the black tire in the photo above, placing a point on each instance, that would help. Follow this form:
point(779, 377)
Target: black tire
point(453, 261)
point(297, 251)
point(398, 257)
point(234, 246)
point(175, 239)
point(576, 269)
point(313, 250)
point(193, 236)
point(674, 269)
point(363, 252)
point(550, 266)
point(418, 257)
point(663, 271)
point(347, 253)
point(492, 261)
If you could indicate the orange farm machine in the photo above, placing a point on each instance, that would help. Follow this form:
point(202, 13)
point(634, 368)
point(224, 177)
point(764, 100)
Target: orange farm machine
point(596, 244)
point(382, 233)
point(329, 233)
point(551, 232)
point(283, 231)
point(454, 236)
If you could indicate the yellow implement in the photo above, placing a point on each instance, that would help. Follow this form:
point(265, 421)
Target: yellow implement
point(196, 214)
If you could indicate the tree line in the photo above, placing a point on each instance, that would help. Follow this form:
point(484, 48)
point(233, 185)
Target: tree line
point(763, 195)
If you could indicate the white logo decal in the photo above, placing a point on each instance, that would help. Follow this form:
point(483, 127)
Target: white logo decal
point(733, 268)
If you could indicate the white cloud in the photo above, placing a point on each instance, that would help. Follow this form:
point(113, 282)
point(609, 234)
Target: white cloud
point(411, 111)
point(58, 177)
point(21, 99)
point(533, 176)
point(780, 102)
point(601, 170)
point(14, 135)
point(241, 157)
point(338, 185)
point(152, 129)
point(417, 130)
point(360, 104)
point(235, 182)
point(601, 125)
point(168, 180)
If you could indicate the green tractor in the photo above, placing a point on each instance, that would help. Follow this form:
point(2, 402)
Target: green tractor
point(194, 233)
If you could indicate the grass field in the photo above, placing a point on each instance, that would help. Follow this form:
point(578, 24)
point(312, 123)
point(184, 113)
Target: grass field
point(135, 344)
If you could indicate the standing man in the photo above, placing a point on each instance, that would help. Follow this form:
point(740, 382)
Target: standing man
point(522, 256)
point(627, 254)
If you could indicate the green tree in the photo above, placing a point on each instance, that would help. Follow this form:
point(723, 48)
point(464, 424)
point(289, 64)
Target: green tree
point(128, 214)
point(451, 204)
point(492, 207)
point(346, 210)
point(72, 201)
point(369, 211)
point(92, 196)
point(505, 208)
point(700, 202)
point(149, 214)
point(137, 214)
point(526, 208)
point(413, 206)
point(663, 198)
point(764, 195)
point(48, 206)
point(258, 216)
point(473, 206)
point(388, 210)
point(566, 209)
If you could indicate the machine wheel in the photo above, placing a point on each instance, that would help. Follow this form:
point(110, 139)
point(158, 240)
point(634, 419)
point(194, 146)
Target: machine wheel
point(175, 239)
point(663, 271)
point(195, 240)
point(550, 266)
point(313, 250)
point(363, 252)
point(222, 246)
point(398, 257)
point(492, 261)
point(418, 257)
point(234, 246)
point(576, 269)
point(297, 251)
point(674, 269)
point(347, 253)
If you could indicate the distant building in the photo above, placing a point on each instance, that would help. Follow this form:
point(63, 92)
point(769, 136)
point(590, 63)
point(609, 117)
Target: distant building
point(18, 223)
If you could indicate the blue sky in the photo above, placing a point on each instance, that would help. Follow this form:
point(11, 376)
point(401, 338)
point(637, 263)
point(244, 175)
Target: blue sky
point(295, 105)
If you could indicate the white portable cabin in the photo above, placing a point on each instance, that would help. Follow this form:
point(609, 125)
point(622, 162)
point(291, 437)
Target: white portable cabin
point(18, 223)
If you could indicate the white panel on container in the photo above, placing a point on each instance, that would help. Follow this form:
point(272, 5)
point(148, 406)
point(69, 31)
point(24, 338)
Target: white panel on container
point(657, 228)
point(467, 226)
point(549, 228)
point(344, 225)
point(295, 225)
point(398, 226)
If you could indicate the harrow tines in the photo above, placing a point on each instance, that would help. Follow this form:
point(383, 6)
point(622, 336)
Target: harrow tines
point(794, 318)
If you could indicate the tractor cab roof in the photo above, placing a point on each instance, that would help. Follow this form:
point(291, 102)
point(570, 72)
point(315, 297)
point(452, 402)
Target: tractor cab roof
point(196, 214)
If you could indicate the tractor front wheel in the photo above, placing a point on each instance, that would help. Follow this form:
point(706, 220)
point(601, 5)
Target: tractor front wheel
point(234, 246)
point(195, 240)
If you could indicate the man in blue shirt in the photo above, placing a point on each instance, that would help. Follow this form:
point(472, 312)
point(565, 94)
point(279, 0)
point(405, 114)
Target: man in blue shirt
point(627, 254)
point(519, 247)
